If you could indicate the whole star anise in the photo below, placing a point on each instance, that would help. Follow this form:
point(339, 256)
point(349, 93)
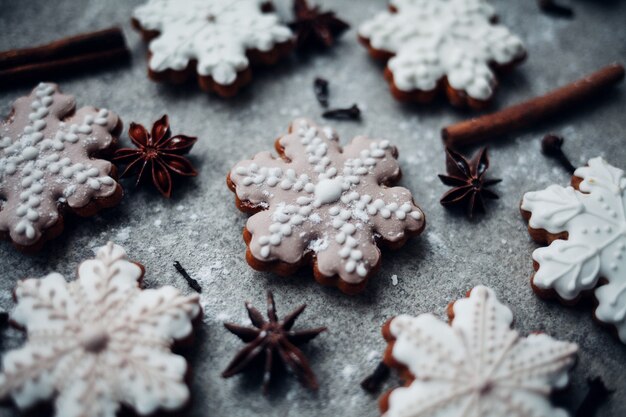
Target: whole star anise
point(314, 28)
point(469, 182)
point(273, 340)
point(159, 153)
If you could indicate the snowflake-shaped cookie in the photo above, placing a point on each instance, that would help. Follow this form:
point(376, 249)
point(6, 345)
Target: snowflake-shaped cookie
point(217, 39)
point(433, 43)
point(324, 205)
point(99, 341)
point(586, 228)
point(475, 367)
point(45, 162)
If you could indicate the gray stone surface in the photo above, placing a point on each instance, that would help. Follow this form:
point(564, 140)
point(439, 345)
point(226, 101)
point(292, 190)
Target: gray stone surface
point(201, 228)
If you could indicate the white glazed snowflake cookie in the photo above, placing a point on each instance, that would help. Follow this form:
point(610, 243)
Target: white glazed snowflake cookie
point(433, 45)
point(586, 228)
point(321, 204)
point(47, 151)
point(476, 366)
point(216, 39)
point(99, 342)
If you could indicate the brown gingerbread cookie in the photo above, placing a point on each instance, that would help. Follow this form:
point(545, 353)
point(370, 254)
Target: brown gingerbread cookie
point(324, 205)
point(100, 341)
point(214, 40)
point(48, 165)
point(583, 226)
point(454, 47)
point(473, 364)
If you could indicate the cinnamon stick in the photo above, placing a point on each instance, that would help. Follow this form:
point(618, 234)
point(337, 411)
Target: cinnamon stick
point(63, 56)
point(532, 111)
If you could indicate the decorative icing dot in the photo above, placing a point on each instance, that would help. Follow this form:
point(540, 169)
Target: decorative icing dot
point(328, 191)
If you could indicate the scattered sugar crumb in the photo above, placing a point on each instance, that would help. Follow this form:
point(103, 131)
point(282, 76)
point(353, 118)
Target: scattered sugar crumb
point(194, 217)
point(318, 245)
point(221, 316)
point(208, 273)
point(315, 218)
point(503, 241)
point(435, 239)
point(394, 280)
point(151, 249)
point(348, 371)
point(372, 355)
point(122, 235)
point(158, 222)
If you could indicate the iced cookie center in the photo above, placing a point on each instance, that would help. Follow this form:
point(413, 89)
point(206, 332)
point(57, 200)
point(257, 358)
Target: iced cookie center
point(328, 191)
point(94, 340)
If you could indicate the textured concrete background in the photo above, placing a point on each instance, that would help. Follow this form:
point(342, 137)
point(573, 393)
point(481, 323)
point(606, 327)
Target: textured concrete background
point(201, 228)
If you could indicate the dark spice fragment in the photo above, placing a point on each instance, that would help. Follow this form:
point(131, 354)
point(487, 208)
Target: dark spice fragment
point(351, 113)
point(598, 393)
point(555, 9)
point(273, 341)
point(551, 146)
point(192, 282)
point(372, 383)
point(467, 177)
point(320, 86)
point(4, 319)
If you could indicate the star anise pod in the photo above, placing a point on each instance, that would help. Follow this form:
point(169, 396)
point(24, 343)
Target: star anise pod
point(468, 181)
point(315, 28)
point(158, 153)
point(273, 340)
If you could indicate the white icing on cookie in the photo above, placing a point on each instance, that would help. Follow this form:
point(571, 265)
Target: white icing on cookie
point(99, 341)
point(432, 39)
point(215, 33)
point(45, 159)
point(327, 200)
point(595, 221)
point(477, 366)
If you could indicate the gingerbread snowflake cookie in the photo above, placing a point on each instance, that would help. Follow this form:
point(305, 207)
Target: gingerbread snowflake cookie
point(476, 366)
point(100, 341)
point(585, 227)
point(441, 45)
point(323, 205)
point(216, 40)
point(47, 151)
